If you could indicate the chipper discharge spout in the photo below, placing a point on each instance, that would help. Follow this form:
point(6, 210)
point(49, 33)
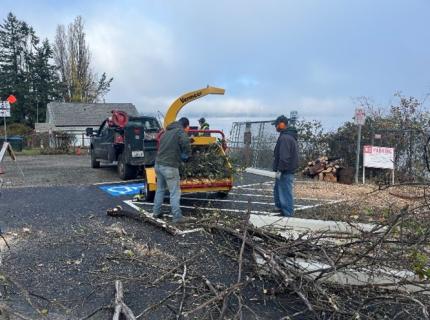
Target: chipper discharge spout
point(209, 169)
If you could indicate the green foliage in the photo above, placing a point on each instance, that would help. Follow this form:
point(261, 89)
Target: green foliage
point(420, 265)
point(16, 129)
point(25, 70)
point(206, 162)
point(312, 140)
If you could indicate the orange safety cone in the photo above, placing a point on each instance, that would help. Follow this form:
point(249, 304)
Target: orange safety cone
point(78, 151)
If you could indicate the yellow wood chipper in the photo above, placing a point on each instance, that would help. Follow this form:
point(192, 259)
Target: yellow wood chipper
point(200, 139)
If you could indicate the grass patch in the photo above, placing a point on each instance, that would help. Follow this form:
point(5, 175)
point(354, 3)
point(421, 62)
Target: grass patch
point(29, 152)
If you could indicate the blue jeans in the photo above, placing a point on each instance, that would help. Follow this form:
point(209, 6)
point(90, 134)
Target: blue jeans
point(283, 193)
point(168, 177)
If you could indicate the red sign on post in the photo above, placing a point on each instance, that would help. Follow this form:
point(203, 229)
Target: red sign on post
point(360, 116)
point(11, 99)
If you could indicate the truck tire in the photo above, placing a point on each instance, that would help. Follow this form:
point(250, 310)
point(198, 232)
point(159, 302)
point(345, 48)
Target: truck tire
point(94, 162)
point(149, 195)
point(125, 171)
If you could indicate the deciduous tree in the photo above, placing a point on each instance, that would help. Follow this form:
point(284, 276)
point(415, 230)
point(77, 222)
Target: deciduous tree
point(73, 59)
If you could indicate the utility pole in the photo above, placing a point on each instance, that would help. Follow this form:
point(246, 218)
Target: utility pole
point(360, 118)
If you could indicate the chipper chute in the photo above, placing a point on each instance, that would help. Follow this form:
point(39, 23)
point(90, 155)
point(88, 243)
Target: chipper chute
point(208, 169)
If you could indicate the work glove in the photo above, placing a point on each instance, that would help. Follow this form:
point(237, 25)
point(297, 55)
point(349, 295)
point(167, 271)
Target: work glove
point(278, 175)
point(184, 157)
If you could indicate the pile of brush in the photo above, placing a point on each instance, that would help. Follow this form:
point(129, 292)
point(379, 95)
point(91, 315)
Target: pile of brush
point(206, 162)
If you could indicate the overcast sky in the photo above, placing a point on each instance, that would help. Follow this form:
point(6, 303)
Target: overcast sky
point(271, 56)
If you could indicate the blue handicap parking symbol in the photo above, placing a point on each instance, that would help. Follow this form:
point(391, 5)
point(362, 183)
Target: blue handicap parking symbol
point(118, 190)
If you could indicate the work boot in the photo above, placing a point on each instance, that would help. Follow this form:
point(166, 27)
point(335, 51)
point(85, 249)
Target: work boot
point(184, 220)
point(157, 215)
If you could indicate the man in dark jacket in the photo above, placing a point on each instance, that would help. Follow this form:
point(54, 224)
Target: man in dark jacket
point(285, 164)
point(174, 147)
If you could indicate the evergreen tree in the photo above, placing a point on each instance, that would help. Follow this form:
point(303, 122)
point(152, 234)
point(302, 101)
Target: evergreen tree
point(17, 45)
point(26, 71)
point(45, 81)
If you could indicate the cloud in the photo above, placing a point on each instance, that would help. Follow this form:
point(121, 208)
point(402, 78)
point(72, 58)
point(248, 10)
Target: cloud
point(134, 54)
point(247, 81)
point(219, 107)
point(331, 111)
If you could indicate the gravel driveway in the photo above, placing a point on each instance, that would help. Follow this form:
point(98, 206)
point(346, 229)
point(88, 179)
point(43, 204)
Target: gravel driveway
point(54, 170)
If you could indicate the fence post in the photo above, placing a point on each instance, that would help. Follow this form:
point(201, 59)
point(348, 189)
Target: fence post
point(357, 161)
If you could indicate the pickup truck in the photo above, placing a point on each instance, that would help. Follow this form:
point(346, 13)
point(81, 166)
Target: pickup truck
point(131, 142)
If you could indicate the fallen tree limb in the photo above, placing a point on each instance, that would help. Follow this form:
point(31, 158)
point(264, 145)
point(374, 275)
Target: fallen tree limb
point(118, 211)
point(175, 268)
point(120, 306)
point(217, 298)
point(156, 305)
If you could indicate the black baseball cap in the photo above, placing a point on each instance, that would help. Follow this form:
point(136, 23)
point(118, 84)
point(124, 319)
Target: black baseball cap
point(280, 119)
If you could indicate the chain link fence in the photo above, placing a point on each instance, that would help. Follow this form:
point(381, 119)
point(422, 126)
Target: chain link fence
point(251, 144)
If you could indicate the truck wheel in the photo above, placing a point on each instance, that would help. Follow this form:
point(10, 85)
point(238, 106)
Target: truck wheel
point(125, 171)
point(94, 162)
point(149, 195)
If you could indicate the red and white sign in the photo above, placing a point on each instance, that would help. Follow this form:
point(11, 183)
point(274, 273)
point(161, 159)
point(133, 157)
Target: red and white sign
point(360, 116)
point(4, 109)
point(378, 157)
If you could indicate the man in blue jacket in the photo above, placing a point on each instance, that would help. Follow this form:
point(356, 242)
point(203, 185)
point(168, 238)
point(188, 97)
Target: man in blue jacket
point(286, 162)
point(174, 148)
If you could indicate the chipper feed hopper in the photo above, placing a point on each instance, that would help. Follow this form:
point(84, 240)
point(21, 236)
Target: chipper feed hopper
point(208, 169)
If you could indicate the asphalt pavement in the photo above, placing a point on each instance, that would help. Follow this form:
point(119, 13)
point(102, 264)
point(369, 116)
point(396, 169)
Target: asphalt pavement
point(65, 252)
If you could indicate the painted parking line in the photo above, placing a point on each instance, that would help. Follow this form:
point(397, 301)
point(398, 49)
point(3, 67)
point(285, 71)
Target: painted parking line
point(319, 205)
point(249, 185)
point(149, 204)
point(117, 190)
point(251, 195)
point(255, 189)
point(326, 201)
point(118, 182)
point(228, 201)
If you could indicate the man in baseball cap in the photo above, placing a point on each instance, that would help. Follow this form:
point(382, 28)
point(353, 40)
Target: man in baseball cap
point(286, 162)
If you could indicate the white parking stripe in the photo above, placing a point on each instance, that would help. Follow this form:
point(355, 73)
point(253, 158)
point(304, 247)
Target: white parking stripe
point(257, 189)
point(227, 200)
point(118, 182)
point(249, 185)
point(251, 195)
point(319, 205)
point(327, 201)
point(214, 209)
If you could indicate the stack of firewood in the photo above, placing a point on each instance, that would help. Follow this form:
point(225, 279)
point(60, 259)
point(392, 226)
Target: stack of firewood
point(323, 169)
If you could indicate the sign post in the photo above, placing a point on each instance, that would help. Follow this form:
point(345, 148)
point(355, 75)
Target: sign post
point(359, 118)
point(378, 157)
point(5, 112)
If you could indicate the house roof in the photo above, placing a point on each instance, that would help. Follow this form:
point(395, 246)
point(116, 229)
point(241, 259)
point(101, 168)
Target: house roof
point(84, 114)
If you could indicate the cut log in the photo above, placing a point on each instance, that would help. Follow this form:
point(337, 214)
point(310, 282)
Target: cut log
point(329, 177)
point(322, 166)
